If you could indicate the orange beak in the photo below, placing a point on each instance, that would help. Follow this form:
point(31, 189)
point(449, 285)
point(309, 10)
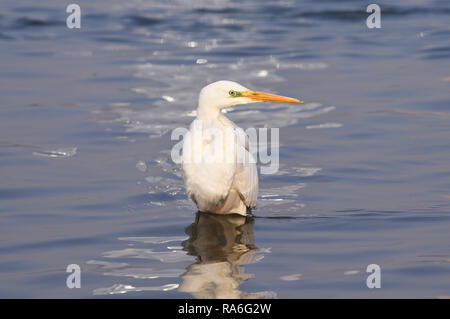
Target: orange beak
point(267, 97)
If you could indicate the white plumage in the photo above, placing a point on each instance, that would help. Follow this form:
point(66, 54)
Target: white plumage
point(219, 171)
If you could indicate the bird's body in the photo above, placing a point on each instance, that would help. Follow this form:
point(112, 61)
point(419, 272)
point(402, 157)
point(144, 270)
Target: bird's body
point(215, 184)
point(220, 172)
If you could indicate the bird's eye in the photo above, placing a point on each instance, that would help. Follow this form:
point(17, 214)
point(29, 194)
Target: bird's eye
point(233, 93)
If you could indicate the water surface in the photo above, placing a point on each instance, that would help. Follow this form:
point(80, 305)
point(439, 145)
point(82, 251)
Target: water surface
point(85, 136)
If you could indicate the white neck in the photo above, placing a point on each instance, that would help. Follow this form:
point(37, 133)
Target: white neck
point(206, 111)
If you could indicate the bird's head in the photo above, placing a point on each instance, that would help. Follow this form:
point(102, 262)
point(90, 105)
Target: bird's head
point(222, 94)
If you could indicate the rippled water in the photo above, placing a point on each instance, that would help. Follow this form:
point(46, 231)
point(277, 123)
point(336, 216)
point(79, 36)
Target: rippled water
point(85, 138)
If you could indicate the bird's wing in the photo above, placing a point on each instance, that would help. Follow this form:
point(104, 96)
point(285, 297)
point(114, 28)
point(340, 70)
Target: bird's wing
point(246, 178)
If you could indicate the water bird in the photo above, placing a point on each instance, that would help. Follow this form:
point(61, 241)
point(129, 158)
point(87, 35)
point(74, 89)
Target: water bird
point(220, 172)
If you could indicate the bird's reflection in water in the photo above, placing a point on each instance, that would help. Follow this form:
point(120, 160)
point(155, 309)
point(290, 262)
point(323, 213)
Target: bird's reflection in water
point(223, 244)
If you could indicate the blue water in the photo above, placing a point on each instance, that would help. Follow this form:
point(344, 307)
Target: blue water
point(85, 136)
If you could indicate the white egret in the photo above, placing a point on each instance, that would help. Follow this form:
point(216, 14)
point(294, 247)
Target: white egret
point(219, 171)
